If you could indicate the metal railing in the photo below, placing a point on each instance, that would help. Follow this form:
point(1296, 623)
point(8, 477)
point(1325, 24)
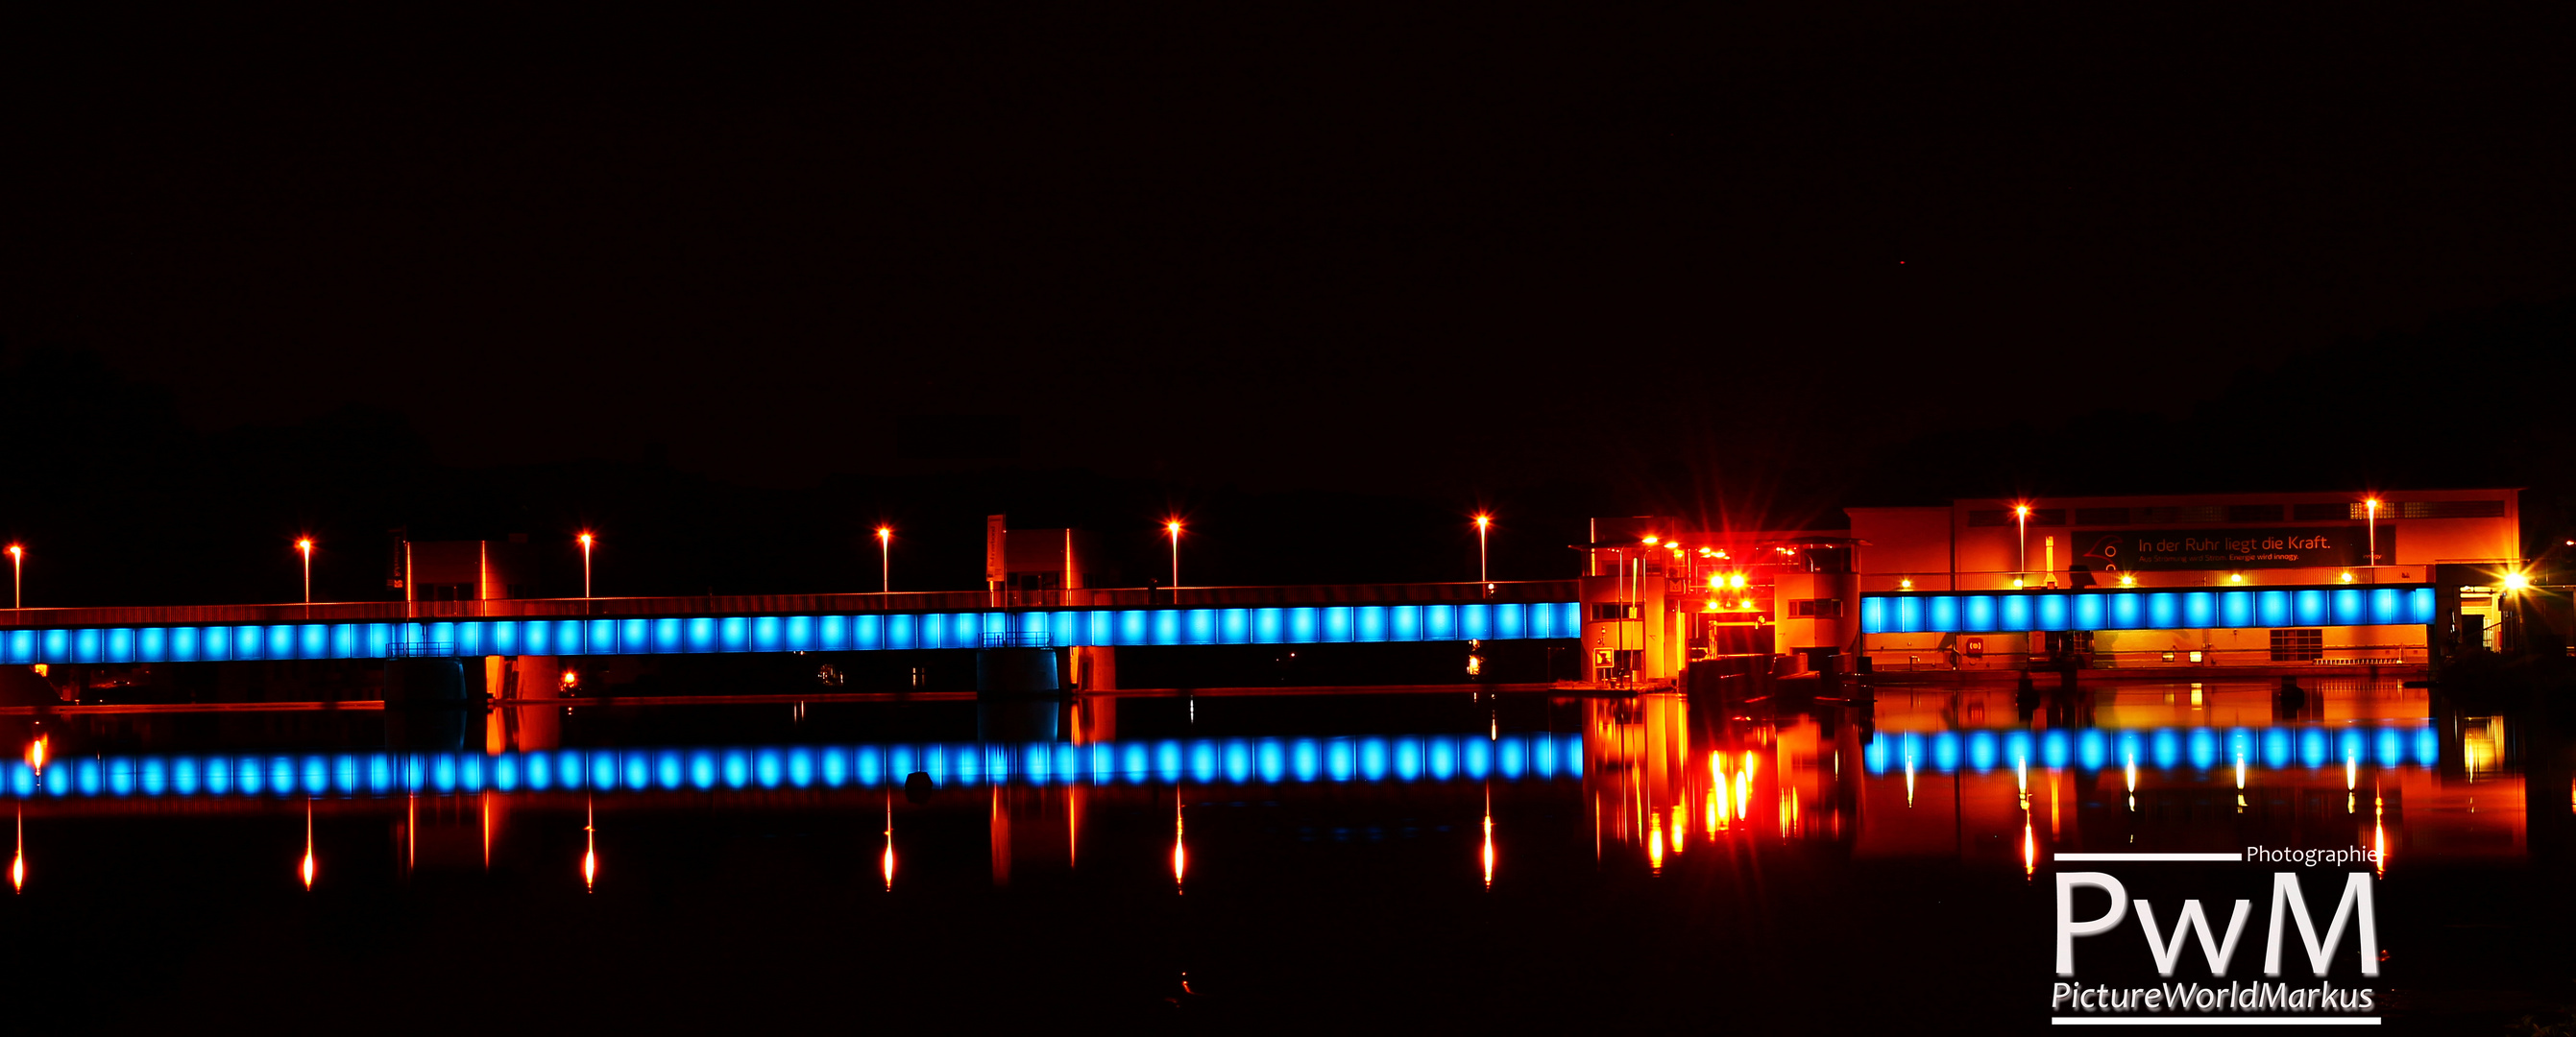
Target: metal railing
point(753, 604)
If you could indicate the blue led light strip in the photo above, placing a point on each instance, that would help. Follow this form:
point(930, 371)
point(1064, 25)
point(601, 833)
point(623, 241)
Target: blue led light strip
point(1299, 624)
point(2159, 749)
point(1234, 761)
point(2010, 611)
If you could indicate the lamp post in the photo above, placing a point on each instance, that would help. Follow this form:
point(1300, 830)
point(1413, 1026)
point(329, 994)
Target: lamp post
point(2021, 518)
point(1483, 523)
point(304, 546)
point(2370, 508)
point(17, 569)
point(885, 558)
point(1173, 530)
point(585, 565)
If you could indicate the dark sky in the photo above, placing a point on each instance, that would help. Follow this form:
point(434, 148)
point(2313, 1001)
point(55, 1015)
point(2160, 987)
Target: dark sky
point(1371, 247)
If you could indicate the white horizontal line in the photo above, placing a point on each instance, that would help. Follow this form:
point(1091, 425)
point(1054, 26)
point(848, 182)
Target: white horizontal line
point(2214, 1020)
point(2146, 857)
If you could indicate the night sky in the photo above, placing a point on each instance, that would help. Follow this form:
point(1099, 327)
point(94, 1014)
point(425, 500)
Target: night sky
point(579, 265)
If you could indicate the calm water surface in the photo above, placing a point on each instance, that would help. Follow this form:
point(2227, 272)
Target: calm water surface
point(1359, 860)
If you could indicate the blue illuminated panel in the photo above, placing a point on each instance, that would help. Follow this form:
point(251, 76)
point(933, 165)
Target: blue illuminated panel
point(1501, 621)
point(2145, 610)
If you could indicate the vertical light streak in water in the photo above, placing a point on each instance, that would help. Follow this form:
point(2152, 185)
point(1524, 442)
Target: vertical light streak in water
point(308, 842)
point(1909, 780)
point(1679, 826)
point(2132, 773)
point(2351, 777)
point(18, 862)
point(411, 832)
point(1180, 845)
point(37, 749)
point(889, 838)
point(590, 844)
point(1744, 788)
point(1655, 843)
point(1489, 835)
point(2029, 848)
point(2021, 779)
point(2379, 830)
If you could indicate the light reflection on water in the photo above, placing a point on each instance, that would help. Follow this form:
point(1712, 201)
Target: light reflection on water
point(1203, 761)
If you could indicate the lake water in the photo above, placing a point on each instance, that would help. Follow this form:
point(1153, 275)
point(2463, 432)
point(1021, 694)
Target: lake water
point(1348, 860)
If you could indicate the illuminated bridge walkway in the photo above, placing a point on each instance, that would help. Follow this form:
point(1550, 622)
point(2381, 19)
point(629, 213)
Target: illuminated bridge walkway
point(1355, 613)
point(2146, 609)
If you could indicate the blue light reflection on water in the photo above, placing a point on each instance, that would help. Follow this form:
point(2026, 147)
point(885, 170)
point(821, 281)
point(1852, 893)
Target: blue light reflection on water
point(1237, 761)
point(2160, 749)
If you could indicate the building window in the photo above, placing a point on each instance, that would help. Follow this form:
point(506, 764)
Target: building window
point(2298, 646)
point(1606, 611)
point(2201, 513)
point(2101, 516)
point(2447, 509)
point(1990, 517)
point(2253, 513)
point(1819, 608)
point(2322, 512)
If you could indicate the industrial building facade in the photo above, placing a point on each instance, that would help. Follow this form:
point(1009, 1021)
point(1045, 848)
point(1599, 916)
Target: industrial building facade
point(2093, 583)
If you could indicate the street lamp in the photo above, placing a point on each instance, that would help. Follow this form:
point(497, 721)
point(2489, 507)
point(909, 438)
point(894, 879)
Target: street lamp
point(1483, 523)
point(2021, 517)
point(1173, 529)
point(17, 569)
point(585, 565)
point(2371, 507)
point(304, 545)
point(885, 557)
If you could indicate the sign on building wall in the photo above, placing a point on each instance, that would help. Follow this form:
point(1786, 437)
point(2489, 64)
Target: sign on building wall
point(2314, 547)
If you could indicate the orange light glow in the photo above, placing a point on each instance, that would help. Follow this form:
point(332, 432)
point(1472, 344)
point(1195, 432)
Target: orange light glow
point(1905, 584)
point(1483, 521)
point(305, 545)
point(1489, 838)
point(18, 872)
point(1180, 848)
point(36, 753)
point(1655, 842)
point(885, 533)
point(1172, 528)
point(2022, 510)
point(585, 540)
point(2029, 849)
point(590, 847)
point(1679, 827)
point(1652, 540)
point(889, 850)
point(308, 844)
point(16, 552)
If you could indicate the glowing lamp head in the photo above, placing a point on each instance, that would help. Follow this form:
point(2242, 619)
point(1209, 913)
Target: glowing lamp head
point(1906, 584)
point(2347, 577)
point(308, 869)
point(2127, 580)
point(305, 545)
point(2516, 581)
point(1483, 521)
point(2372, 504)
point(16, 552)
point(2235, 577)
point(1652, 540)
point(2021, 511)
point(1172, 529)
point(585, 540)
point(885, 533)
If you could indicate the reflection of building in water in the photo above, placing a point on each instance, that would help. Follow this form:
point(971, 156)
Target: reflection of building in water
point(2189, 767)
point(1658, 784)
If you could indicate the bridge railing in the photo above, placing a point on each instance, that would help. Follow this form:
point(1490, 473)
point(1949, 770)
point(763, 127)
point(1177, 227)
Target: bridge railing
point(753, 604)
